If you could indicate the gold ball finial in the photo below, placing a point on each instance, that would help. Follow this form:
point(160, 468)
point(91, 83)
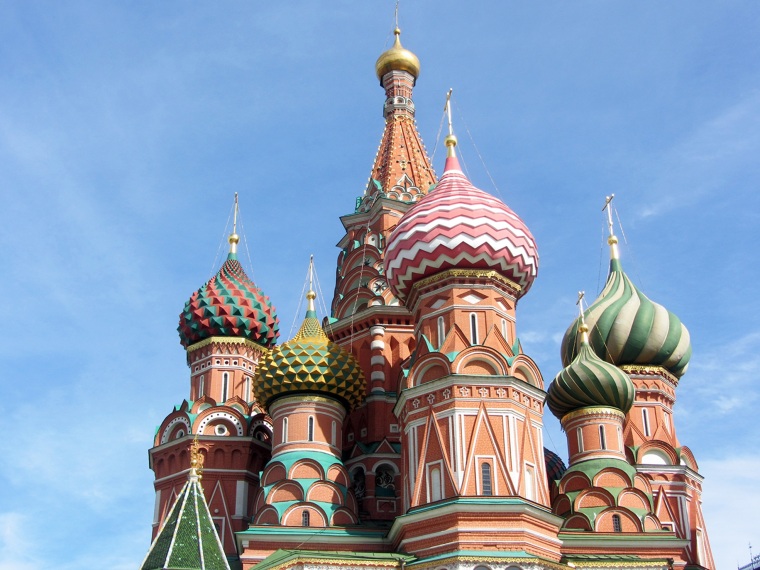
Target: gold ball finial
point(397, 58)
point(583, 328)
point(234, 239)
point(612, 240)
point(311, 295)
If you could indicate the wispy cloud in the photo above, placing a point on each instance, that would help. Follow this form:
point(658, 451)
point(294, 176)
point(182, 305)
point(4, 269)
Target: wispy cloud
point(709, 161)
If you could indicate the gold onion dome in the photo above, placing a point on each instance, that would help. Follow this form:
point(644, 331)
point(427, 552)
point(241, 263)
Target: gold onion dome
point(589, 381)
point(308, 363)
point(397, 58)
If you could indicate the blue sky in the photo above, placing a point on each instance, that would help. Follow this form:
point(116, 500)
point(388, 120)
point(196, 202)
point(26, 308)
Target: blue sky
point(126, 128)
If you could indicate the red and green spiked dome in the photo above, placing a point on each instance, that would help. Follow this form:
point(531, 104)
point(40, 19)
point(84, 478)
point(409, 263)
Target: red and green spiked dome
point(629, 329)
point(229, 304)
point(310, 362)
point(589, 381)
point(458, 226)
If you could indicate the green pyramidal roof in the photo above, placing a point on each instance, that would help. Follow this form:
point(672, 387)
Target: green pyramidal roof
point(188, 539)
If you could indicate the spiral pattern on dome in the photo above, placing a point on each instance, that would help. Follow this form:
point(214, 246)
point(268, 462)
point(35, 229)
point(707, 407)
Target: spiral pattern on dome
point(589, 381)
point(458, 226)
point(310, 362)
point(627, 328)
point(229, 304)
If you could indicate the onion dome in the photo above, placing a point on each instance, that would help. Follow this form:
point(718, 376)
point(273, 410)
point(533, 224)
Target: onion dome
point(397, 59)
point(229, 304)
point(310, 362)
point(458, 226)
point(589, 381)
point(629, 329)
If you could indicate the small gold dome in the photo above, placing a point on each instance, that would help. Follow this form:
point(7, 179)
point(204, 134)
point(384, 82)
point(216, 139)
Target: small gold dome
point(397, 59)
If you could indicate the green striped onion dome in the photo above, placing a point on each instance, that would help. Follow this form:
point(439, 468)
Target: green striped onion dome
point(229, 304)
point(627, 328)
point(310, 362)
point(589, 381)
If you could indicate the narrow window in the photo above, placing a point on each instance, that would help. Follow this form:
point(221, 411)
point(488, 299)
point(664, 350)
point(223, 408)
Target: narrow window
point(248, 389)
point(284, 430)
point(441, 331)
point(473, 328)
point(616, 527)
point(602, 439)
point(580, 440)
point(530, 490)
point(225, 385)
point(200, 385)
point(504, 328)
point(311, 430)
point(645, 418)
point(485, 477)
point(333, 433)
point(305, 518)
point(435, 485)
point(667, 421)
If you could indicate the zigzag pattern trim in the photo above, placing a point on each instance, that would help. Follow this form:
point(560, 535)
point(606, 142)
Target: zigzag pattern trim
point(459, 226)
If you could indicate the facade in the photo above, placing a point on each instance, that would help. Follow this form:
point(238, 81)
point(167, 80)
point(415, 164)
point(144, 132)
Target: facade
point(406, 429)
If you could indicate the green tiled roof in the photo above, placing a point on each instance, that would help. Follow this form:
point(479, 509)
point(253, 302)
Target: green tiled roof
point(188, 539)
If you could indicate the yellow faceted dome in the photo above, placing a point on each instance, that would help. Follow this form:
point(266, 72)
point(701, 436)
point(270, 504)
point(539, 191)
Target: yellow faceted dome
point(397, 59)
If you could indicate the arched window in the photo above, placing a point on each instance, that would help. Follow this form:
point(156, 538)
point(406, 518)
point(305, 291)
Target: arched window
point(311, 428)
point(247, 395)
point(485, 479)
point(645, 419)
point(436, 493)
point(284, 430)
point(200, 385)
point(225, 385)
point(305, 518)
point(504, 328)
point(616, 526)
point(473, 328)
point(579, 432)
point(530, 488)
point(602, 438)
point(441, 331)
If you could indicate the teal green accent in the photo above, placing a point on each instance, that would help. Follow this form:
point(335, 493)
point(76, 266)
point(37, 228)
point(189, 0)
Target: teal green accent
point(232, 256)
point(593, 466)
point(477, 554)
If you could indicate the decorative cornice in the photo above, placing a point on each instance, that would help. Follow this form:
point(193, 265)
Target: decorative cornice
point(634, 369)
point(466, 273)
point(226, 340)
point(602, 411)
point(481, 559)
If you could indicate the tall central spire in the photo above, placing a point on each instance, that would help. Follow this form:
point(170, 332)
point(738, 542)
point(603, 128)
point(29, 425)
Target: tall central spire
point(401, 162)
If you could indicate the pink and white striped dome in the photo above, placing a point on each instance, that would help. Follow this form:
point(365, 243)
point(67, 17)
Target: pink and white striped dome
point(458, 226)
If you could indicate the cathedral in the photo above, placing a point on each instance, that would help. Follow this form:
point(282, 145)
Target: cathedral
point(405, 429)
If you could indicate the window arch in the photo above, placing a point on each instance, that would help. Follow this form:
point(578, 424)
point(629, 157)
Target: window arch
point(225, 385)
point(436, 492)
point(645, 420)
point(441, 331)
point(616, 526)
point(485, 479)
point(473, 328)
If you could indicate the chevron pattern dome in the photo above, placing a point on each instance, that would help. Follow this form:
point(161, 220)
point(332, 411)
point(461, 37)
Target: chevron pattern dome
point(627, 328)
point(458, 226)
point(229, 304)
point(310, 362)
point(589, 381)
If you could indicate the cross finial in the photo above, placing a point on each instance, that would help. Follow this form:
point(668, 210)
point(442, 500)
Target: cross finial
point(450, 140)
point(395, 15)
point(311, 295)
point(234, 237)
point(583, 328)
point(611, 240)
